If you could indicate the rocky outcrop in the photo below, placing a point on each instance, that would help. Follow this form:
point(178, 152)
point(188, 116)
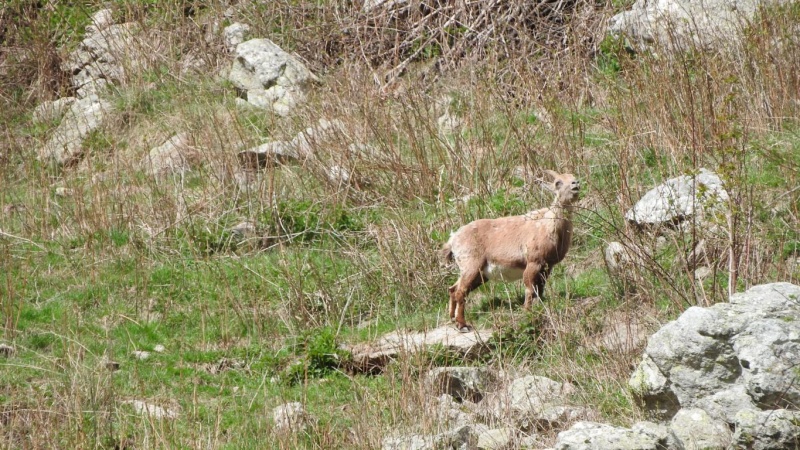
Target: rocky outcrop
point(291, 418)
point(269, 77)
point(597, 436)
point(679, 198)
point(303, 146)
point(462, 438)
point(171, 157)
point(726, 359)
point(683, 24)
point(52, 110)
point(105, 55)
point(462, 383)
point(65, 145)
point(373, 357)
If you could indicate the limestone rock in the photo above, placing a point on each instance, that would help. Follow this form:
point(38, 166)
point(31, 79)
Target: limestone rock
point(290, 417)
point(495, 439)
point(105, 54)
point(271, 78)
point(373, 357)
point(535, 402)
point(767, 430)
point(50, 111)
point(234, 34)
point(65, 146)
point(170, 157)
point(681, 24)
point(7, 351)
point(595, 436)
point(154, 411)
point(696, 430)
point(462, 383)
point(678, 199)
point(462, 438)
point(141, 355)
point(726, 357)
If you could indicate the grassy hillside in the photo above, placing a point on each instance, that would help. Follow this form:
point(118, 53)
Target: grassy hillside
point(99, 260)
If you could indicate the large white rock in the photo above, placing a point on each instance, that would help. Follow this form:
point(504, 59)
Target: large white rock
point(727, 357)
point(272, 78)
point(171, 156)
point(596, 436)
point(65, 146)
point(681, 24)
point(679, 198)
point(696, 430)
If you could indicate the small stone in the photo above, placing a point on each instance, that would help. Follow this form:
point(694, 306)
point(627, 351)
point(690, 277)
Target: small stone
point(495, 439)
point(63, 192)
point(7, 350)
point(141, 355)
point(290, 417)
point(147, 409)
point(159, 348)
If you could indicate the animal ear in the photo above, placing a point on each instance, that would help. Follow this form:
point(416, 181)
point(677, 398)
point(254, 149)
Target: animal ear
point(558, 184)
point(552, 173)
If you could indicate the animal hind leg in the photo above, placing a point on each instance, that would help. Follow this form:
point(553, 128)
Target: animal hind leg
point(466, 283)
point(451, 306)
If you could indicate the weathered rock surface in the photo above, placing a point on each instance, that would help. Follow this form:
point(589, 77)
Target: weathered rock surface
point(680, 24)
point(170, 157)
point(462, 383)
point(154, 411)
point(84, 116)
point(494, 438)
point(532, 403)
point(50, 111)
point(596, 436)
point(726, 357)
point(678, 199)
point(105, 54)
point(7, 351)
point(767, 430)
point(303, 146)
point(696, 430)
point(461, 438)
point(234, 34)
point(291, 417)
point(271, 78)
point(373, 357)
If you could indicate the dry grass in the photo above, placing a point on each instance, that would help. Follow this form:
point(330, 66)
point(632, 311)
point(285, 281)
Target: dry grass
point(122, 261)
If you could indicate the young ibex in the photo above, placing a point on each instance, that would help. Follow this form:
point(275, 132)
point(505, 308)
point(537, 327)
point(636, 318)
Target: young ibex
point(510, 248)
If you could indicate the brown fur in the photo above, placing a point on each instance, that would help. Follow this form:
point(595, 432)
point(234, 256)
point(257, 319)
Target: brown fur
point(526, 246)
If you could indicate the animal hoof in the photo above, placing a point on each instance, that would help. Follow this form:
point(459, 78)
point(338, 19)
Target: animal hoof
point(464, 328)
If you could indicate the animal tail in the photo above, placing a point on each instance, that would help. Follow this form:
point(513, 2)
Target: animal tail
point(446, 254)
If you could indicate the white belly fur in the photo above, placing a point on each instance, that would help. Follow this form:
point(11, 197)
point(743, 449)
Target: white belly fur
point(497, 272)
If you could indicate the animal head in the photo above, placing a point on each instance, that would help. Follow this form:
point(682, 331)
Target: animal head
point(565, 186)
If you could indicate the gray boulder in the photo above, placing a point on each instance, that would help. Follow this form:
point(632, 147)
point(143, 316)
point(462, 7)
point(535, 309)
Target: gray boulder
point(682, 24)
point(291, 417)
point(374, 356)
point(461, 438)
point(726, 357)
point(271, 78)
point(596, 436)
point(65, 146)
point(767, 430)
point(462, 383)
point(696, 430)
point(171, 156)
point(234, 34)
point(678, 199)
point(105, 54)
point(50, 111)
point(534, 402)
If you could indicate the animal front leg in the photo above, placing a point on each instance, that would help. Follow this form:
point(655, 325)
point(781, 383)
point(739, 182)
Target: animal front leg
point(529, 278)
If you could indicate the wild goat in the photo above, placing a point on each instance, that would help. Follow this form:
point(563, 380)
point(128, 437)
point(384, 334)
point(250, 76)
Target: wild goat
point(510, 248)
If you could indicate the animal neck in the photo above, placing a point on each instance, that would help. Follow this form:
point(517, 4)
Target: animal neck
point(561, 210)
